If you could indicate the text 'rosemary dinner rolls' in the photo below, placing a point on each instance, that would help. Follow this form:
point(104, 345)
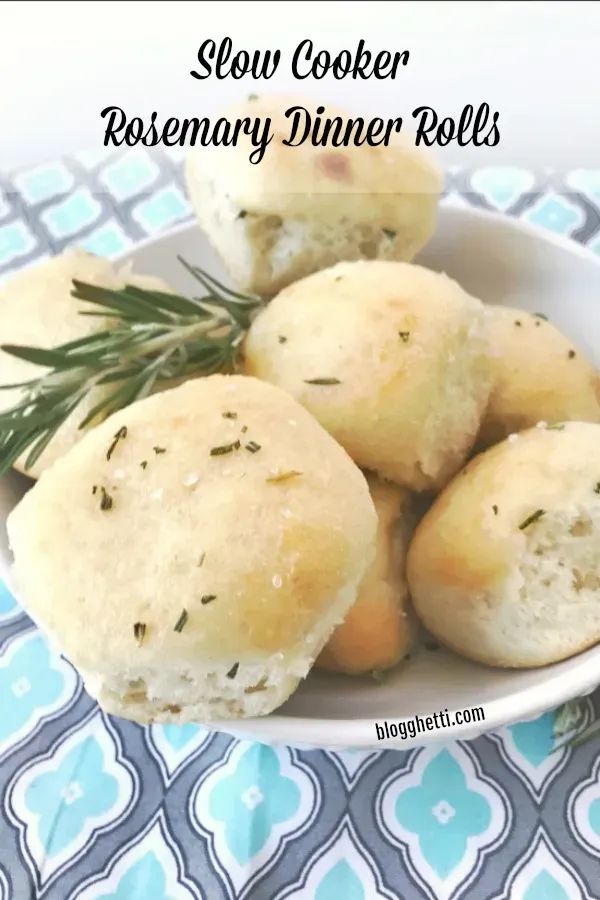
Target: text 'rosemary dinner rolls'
point(192, 554)
point(505, 566)
point(390, 357)
point(37, 309)
point(376, 633)
point(302, 208)
point(538, 374)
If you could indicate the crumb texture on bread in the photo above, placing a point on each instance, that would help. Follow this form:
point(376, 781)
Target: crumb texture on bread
point(307, 207)
point(505, 566)
point(37, 309)
point(391, 358)
point(377, 631)
point(202, 560)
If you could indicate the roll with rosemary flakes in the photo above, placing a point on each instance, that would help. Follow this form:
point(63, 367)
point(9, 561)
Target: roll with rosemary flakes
point(221, 535)
point(504, 567)
point(391, 358)
point(538, 374)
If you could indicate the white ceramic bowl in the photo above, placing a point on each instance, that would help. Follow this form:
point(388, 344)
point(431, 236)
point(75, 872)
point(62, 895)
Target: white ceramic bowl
point(499, 260)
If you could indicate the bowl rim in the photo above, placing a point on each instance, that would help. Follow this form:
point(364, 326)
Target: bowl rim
point(448, 205)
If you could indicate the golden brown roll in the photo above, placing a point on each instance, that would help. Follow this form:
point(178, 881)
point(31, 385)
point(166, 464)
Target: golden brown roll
point(391, 358)
point(306, 207)
point(505, 566)
point(538, 374)
point(376, 633)
point(192, 554)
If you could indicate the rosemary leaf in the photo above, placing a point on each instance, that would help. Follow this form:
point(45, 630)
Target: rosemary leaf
point(106, 502)
point(225, 448)
point(181, 621)
point(121, 433)
point(531, 519)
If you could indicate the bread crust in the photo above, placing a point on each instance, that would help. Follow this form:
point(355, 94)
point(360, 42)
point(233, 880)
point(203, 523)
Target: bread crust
point(376, 633)
point(262, 549)
point(538, 374)
point(391, 358)
point(501, 568)
point(306, 207)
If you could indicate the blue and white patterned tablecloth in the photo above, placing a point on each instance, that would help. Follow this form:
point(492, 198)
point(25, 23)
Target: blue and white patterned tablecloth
point(97, 808)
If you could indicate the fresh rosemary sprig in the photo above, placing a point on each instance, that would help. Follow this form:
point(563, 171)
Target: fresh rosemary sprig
point(152, 336)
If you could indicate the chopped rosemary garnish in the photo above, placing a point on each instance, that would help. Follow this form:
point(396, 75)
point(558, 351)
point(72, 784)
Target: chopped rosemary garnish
point(252, 446)
point(571, 354)
point(159, 450)
point(139, 632)
point(121, 433)
point(531, 519)
point(94, 488)
point(208, 598)
point(597, 488)
point(518, 323)
point(181, 621)
point(144, 463)
point(495, 508)
point(225, 448)
point(201, 560)
point(404, 335)
point(242, 214)
point(338, 277)
point(556, 426)
point(322, 381)
point(252, 96)
point(389, 233)
point(229, 415)
point(541, 316)
point(107, 501)
point(282, 339)
point(233, 670)
point(283, 476)
point(244, 429)
point(149, 337)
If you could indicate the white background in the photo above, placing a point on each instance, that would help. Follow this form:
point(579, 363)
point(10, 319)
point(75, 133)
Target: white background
point(538, 64)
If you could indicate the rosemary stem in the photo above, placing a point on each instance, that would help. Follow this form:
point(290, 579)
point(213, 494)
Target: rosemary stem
point(176, 335)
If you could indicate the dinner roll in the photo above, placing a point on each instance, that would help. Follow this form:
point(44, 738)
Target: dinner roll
point(192, 554)
point(302, 208)
point(390, 357)
point(38, 310)
point(376, 633)
point(538, 374)
point(505, 566)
